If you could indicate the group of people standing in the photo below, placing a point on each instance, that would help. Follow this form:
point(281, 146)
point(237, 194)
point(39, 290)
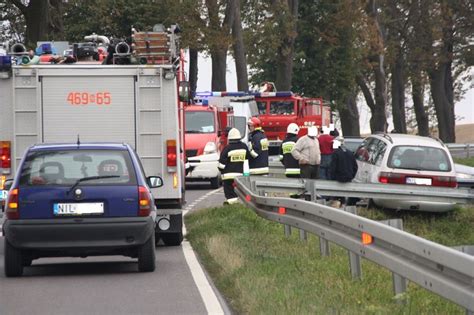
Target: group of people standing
point(310, 156)
point(316, 156)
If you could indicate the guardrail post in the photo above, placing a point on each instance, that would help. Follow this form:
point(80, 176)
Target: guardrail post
point(303, 235)
point(468, 150)
point(399, 282)
point(354, 259)
point(324, 248)
point(287, 230)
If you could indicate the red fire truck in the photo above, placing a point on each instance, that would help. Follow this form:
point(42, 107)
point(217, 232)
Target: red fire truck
point(278, 109)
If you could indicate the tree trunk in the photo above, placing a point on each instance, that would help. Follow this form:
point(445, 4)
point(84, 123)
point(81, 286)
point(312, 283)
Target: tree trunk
point(441, 83)
point(219, 63)
point(44, 20)
point(193, 69)
point(378, 119)
point(418, 92)
point(350, 117)
point(398, 95)
point(239, 50)
point(284, 63)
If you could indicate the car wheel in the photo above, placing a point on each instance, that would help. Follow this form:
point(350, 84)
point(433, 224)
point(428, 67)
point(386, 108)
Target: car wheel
point(146, 255)
point(172, 239)
point(13, 260)
point(215, 182)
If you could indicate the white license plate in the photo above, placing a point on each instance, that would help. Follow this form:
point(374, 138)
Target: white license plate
point(3, 194)
point(418, 181)
point(78, 208)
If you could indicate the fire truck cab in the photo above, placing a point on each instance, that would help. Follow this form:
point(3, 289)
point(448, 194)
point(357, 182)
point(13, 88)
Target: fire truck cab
point(278, 109)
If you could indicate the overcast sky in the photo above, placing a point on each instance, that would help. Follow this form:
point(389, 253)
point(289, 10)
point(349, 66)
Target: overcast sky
point(464, 108)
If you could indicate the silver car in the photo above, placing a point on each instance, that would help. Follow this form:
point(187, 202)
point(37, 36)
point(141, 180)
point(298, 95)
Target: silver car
point(408, 160)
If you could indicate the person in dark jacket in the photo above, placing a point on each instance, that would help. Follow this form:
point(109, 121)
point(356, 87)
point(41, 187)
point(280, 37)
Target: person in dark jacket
point(231, 164)
point(325, 146)
point(292, 167)
point(343, 165)
point(258, 147)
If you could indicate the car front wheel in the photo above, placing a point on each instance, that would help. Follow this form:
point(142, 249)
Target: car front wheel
point(146, 255)
point(13, 260)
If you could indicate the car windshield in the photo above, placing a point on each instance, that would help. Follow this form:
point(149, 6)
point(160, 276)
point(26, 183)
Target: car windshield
point(66, 167)
point(199, 122)
point(419, 158)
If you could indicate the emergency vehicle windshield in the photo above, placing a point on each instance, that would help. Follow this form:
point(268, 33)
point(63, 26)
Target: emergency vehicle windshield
point(200, 122)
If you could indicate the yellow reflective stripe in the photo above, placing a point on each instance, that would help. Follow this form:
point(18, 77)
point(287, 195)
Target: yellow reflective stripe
point(292, 171)
point(230, 175)
point(260, 170)
point(236, 152)
point(287, 147)
point(264, 144)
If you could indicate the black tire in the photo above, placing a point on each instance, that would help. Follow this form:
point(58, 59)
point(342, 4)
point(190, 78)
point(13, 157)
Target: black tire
point(216, 182)
point(146, 255)
point(13, 261)
point(172, 239)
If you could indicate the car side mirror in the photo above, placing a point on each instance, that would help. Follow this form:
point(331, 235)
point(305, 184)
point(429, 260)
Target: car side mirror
point(155, 181)
point(184, 91)
point(8, 184)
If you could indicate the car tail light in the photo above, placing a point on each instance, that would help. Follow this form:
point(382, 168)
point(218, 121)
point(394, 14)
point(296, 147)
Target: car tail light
point(144, 202)
point(391, 178)
point(5, 155)
point(171, 154)
point(12, 205)
point(445, 181)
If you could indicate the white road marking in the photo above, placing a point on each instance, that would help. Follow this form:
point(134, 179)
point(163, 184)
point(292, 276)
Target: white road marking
point(208, 295)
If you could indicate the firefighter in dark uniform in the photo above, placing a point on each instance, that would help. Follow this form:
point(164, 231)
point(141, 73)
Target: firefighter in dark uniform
point(258, 147)
point(292, 166)
point(231, 164)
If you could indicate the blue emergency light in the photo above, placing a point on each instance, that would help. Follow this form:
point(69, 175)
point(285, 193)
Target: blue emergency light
point(45, 49)
point(5, 63)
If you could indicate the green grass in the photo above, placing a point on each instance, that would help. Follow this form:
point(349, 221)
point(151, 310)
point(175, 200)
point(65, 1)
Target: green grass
point(260, 271)
point(465, 161)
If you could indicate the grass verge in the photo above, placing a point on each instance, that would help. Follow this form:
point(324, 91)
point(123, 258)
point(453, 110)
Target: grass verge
point(259, 271)
point(465, 161)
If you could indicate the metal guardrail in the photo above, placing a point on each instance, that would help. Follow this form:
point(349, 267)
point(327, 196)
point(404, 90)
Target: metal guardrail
point(465, 148)
point(366, 190)
point(440, 269)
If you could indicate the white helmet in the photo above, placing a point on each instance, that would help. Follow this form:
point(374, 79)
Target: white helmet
point(313, 131)
point(234, 134)
point(293, 128)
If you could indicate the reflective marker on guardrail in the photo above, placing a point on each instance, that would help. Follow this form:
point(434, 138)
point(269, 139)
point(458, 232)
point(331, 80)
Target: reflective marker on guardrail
point(282, 210)
point(367, 238)
point(248, 197)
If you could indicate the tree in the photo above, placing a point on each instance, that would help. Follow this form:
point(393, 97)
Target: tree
point(43, 19)
point(238, 46)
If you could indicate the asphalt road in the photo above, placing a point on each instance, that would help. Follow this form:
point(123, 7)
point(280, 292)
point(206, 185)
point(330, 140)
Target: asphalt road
point(112, 284)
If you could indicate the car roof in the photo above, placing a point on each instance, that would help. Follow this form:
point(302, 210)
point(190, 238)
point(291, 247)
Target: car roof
point(398, 138)
point(81, 146)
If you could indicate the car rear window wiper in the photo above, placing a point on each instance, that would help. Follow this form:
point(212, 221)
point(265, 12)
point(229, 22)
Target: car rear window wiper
point(90, 178)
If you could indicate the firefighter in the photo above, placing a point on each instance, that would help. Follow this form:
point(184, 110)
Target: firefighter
point(231, 164)
point(292, 167)
point(258, 146)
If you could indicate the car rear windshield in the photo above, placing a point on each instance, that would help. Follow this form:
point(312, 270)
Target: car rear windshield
point(66, 167)
point(419, 158)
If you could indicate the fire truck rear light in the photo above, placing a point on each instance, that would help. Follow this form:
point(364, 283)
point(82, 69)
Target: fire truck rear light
point(12, 205)
point(5, 154)
point(171, 153)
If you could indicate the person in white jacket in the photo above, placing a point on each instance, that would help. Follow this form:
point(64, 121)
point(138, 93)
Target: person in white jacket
point(306, 151)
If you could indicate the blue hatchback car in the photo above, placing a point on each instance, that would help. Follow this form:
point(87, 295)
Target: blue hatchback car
point(80, 200)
